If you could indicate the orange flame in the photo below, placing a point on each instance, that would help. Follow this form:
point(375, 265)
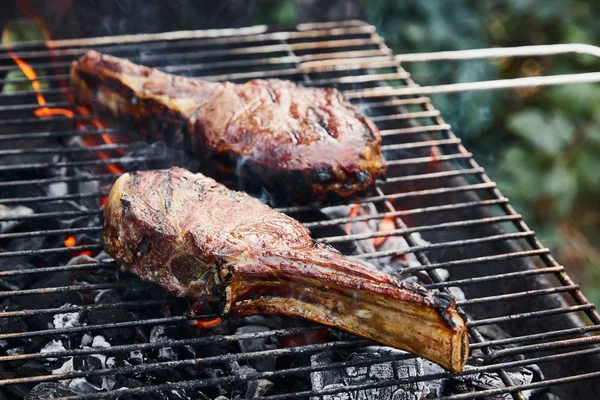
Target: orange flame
point(387, 224)
point(207, 323)
point(45, 112)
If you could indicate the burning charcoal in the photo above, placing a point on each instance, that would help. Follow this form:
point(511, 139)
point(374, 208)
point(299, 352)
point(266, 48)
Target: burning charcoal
point(92, 362)
point(86, 340)
point(484, 381)
point(80, 385)
point(392, 264)
point(82, 259)
point(257, 344)
point(48, 300)
point(158, 335)
point(341, 377)
point(12, 212)
point(258, 388)
point(136, 357)
point(436, 387)
point(110, 316)
point(99, 341)
point(51, 347)
point(11, 325)
point(243, 372)
point(48, 390)
point(15, 282)
point(65, 368)
point(67, 320)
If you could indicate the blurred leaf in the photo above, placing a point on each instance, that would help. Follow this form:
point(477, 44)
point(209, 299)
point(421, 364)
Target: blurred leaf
point(549, 134)
point(19, 86)
point(592, 131)
point(560, 184)
point(576, 99)
point(587, 166)
point(22, 30)
point(518, 175)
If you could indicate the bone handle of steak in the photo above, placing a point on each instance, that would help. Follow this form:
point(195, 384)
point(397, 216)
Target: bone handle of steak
point(390, 314)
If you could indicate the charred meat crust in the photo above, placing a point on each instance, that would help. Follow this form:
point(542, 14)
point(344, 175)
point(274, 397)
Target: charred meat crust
point(235, 255)
point(285, 135)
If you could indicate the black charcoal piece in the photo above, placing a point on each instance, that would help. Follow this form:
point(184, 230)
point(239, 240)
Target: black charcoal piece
point(48, 390)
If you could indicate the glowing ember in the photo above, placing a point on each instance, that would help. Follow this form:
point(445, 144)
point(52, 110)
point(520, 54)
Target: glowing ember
point(353, 213)
point(70, 241)
point(388, 224)
point(303, 339)
point(206, 323)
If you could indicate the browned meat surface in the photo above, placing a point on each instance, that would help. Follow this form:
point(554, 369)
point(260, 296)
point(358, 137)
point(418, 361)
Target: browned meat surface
point(306, 143)
point(235, 255)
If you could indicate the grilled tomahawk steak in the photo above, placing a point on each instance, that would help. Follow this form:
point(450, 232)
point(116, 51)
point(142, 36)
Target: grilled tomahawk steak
point(306, 144)
point(233, 254)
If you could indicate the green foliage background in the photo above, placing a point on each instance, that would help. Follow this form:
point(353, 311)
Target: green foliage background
point(542, 146)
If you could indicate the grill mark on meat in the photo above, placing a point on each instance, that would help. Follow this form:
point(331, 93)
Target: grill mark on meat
point(233, 254)
point(223, 122)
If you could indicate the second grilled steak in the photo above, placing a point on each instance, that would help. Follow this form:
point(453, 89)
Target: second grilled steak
point(306, 143)
point(232, 254)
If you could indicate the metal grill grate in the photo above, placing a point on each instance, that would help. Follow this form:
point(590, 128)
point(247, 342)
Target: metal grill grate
point(433, 182)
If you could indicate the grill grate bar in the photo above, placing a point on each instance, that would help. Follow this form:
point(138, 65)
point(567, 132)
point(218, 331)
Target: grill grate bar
point(55, 214)
point(207, 54)
point(444, 245)
point(417, 145)
point(65, 179)
point(59, 268)
point(421, 228)
point(65, 150)
point(89, 308)
point(121, 161)
point(394, 196)
point(414, 129)
point(57, 331)
point(27, 200)
point(519, 295)
point(493, 278)
point(534, 348)
point(479, 260)
point(163, 40)
point(532, 314)
point(67, 231)
point(538, 336)
point(447, 207)
point(60, 289)
point(19, 107)
point(43, 135)
point(59, 250)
